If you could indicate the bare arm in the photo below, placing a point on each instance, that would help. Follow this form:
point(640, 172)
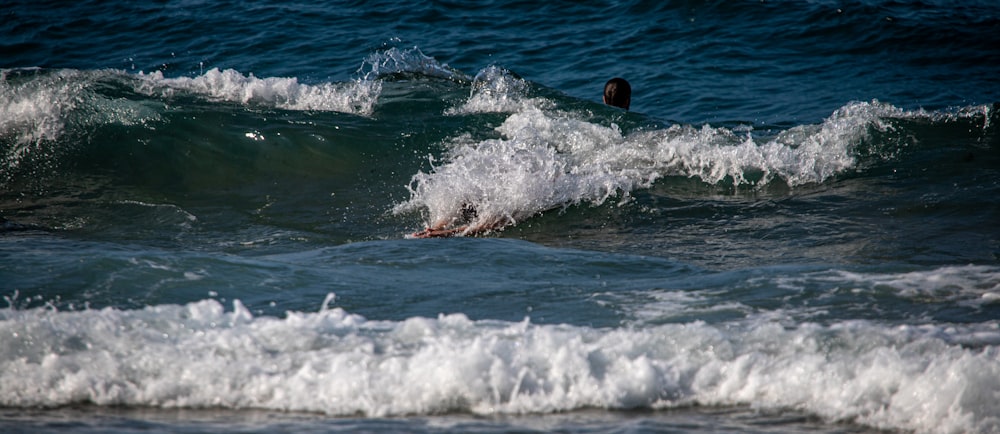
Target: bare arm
point(438, 231)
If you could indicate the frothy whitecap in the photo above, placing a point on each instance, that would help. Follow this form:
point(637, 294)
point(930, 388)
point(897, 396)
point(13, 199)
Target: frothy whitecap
point(357, 96)
point(547, 158)
point(38, 107)
point(497, 90)
point(34, 112)
point(200, 355)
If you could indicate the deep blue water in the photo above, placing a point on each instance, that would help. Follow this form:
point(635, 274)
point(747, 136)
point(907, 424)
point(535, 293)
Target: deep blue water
point(206, 212)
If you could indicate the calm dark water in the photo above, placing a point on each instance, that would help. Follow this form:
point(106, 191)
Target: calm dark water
point(207, 206)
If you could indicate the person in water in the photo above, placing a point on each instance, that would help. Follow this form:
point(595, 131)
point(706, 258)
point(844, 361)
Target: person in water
point(468, 214)
point(617, 92)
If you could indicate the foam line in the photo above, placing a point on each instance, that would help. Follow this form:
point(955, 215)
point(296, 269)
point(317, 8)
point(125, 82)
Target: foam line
point(201, 355)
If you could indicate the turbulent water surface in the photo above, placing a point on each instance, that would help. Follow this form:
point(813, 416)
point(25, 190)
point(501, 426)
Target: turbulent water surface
point(207, 213)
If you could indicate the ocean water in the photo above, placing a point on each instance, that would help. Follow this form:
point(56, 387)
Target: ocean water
point(207, 209)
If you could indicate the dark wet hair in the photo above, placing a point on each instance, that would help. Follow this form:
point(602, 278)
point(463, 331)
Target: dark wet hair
point(618, 92)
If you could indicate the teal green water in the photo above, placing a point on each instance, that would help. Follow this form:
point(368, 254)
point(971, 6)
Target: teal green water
point(207, 213)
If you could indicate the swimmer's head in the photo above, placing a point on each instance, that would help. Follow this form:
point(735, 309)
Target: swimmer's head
point(618, 92)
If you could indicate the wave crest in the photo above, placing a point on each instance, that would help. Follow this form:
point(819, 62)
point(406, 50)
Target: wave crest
point(357, 96)
point(547, 158)
point(199, 355)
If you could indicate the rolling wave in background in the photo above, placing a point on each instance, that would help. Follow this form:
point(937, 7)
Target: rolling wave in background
point(229, 240)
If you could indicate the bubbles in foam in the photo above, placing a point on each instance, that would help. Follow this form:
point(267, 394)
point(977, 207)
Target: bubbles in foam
point(38, 107)
point(497, 90)
point(200, 355)
point(969, 285)
point(547, 158)
point(33, 112)
point(358, 96)
point(504, 179)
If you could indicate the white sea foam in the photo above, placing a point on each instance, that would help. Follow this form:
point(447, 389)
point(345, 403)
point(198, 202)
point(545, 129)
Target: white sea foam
point(496, 90)
point(41, 107)
point(659, 305)
point(972, 285)
point(357, 96)
point(38, 107)
point(548, 158)
point(199, 355)
point(35, 113)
